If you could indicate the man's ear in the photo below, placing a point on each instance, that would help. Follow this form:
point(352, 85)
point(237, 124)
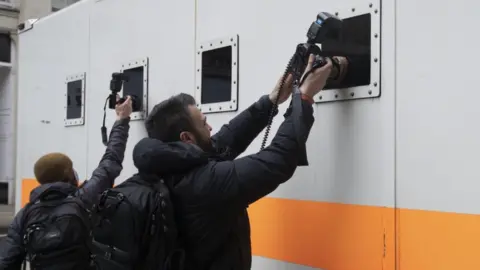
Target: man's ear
point(187, 137)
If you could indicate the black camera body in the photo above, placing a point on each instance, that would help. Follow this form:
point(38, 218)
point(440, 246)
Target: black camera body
point(326, 27)
point(345, 42)
point(116, 84)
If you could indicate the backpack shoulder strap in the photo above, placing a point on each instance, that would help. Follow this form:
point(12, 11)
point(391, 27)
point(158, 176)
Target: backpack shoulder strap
point(24, 218)
point(107, 206)
point(175, 257)
point(162, 221)
point(166, 209)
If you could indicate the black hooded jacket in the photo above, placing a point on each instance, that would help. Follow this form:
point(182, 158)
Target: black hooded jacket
point(12, 252)
point(211, 193)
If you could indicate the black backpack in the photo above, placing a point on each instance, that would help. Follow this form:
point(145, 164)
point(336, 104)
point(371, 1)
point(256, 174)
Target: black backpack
point(134, 227)
point(57, 232)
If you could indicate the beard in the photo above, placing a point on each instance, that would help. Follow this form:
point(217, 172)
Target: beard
point(204, 143)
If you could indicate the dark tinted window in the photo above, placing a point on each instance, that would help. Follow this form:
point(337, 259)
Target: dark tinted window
point(74, 99)
point(5, 48)
point(134, 86)
point(217, 75)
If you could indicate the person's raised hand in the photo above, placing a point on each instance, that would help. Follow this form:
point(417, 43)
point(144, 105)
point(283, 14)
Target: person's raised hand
point(317, 79)
point(283, 93)
point(125, 109)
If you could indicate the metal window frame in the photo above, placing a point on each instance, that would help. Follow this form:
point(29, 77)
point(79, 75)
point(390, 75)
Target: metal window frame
point(141, 62)
point(76, 121)
point(226, 106)
point(373, 90)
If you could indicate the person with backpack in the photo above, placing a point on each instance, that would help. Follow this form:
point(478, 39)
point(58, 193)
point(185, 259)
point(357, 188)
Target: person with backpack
point(53, 230)
point(209, 188)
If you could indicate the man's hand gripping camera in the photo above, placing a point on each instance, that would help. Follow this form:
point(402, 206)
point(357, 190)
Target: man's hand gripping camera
point(325, 27)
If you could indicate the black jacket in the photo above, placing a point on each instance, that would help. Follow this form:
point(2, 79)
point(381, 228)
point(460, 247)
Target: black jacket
point(12, 252)
point(211, 193)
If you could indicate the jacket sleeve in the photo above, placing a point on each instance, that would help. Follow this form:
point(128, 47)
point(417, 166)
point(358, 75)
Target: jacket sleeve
point(110, 165)
point(247, 179)
point(12, 253)
point(234, 137)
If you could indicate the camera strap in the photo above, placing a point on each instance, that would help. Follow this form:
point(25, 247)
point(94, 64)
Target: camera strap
point(104, 128)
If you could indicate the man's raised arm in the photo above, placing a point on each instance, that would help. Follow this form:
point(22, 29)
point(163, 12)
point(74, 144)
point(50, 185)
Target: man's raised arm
point(239, 133)
point(241, 182)
point(110, 165)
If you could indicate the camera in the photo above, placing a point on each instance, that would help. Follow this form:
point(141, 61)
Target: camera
point(116, 85)
point(342, 41)
point(326, 27)
point(345, 42)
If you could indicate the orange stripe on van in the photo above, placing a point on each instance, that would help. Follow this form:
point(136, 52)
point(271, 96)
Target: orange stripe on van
point(429, 240)
point(334, 236)
point(28, 184)
point(327, 235)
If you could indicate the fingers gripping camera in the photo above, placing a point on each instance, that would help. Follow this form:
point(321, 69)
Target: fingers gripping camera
point(116, 84)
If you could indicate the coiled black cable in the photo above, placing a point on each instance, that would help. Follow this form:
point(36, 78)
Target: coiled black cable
point(275, 104)
point(103, 129)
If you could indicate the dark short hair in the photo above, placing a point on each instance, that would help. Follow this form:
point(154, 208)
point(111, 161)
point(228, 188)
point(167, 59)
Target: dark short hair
point(170, 117)
point(53, 167)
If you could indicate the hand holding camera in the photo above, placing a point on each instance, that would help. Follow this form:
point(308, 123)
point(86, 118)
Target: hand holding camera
point(124, 109)
point(315, 80)
point(281, 95)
